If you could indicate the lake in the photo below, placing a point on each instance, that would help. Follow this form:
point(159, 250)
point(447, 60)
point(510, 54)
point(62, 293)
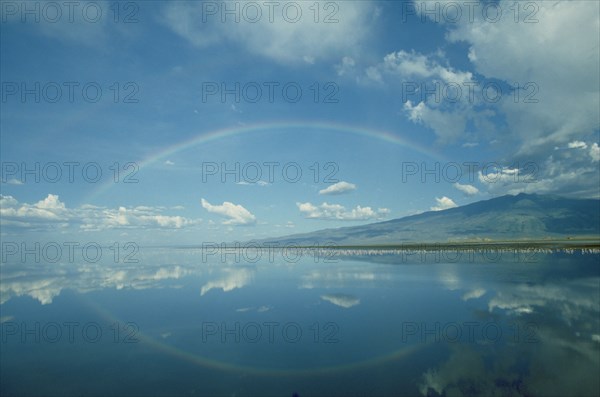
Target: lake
point(183, 321)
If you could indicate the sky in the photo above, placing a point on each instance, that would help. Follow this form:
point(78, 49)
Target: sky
point(194, 122)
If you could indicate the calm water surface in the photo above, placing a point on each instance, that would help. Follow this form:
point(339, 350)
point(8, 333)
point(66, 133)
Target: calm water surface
point(178, 322)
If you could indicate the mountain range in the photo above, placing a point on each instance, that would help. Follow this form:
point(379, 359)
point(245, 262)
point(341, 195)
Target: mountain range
point(505, 218)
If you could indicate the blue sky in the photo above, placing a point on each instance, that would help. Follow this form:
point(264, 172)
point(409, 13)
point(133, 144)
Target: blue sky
point(405, 107)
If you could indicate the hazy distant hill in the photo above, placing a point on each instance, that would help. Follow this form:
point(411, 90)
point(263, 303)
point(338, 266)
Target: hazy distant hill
point(525, 216)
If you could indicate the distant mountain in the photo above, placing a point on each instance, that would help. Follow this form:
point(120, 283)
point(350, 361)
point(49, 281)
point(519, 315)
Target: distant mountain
point(524, 216)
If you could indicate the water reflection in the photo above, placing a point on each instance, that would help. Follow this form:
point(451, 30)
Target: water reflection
point(234, 278)
point(346, 327)
point(342, 300)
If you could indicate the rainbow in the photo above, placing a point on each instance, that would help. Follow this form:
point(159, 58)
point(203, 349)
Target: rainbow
point(229, 132)
point(163, 347)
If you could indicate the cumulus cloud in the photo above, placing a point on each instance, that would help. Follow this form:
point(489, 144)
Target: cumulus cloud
point(140, 217)
point(419, 73)
point(48, 212)
point(413, 64)
point(236, 214)
point(565, 71)
point(50, 209)
point(549, 87)
point(594, 149)
point(469, 190)
point(339, 212)
point(562, 98)
point(577, 145)
point(560, 173)
point(443, 203)
point(338, 188)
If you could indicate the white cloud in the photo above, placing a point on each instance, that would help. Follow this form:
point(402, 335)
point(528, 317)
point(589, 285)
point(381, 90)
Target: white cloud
point(435, 94)
point(339, 212)
point(47, 212)
point(259, 183)
point(14, 181)
point(308, 59)
point(338, 188)
point(560, 173)
point(448, 125)
point(50, 209)
point(51, 203)
point(140, 216)
point(288, 224)
point(577, 145)
point(595, 152)
point(169, 162)
point(346, 66)
point(7, 201)
point(237, 214)
point(443, 203)
point(549, 80)
point(594, 149)
point(563, 67)
point(374, 74)
point(469, 190)
point(495, 175)
point(303, 41)
point(415, 65)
